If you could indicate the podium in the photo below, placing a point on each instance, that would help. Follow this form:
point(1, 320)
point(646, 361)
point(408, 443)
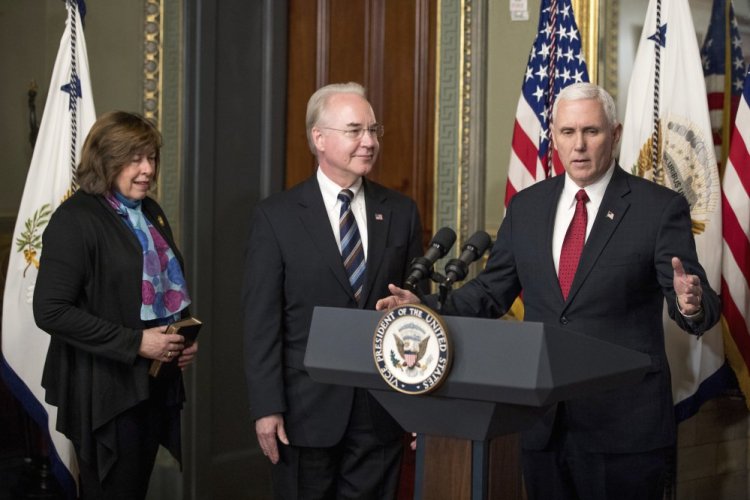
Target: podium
point(505, 375)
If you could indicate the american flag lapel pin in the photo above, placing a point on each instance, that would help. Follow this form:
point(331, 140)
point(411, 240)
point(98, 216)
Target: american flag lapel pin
point(378, 216)
point(610, 215)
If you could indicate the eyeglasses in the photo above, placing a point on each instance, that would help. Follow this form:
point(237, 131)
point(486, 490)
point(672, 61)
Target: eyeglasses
point(355, 134)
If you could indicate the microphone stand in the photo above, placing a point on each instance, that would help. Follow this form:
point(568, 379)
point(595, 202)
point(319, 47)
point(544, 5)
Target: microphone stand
point(444, 287)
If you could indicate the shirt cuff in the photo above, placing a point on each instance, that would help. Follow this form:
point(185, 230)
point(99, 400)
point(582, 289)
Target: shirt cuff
point(696, 317)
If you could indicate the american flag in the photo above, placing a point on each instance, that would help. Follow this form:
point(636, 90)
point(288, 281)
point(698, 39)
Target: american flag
point(735, 262)
point(555, 62)
point(713, 56)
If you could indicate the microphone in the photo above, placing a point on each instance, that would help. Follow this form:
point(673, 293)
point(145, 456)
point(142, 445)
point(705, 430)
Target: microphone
point(421, 267)
point(473, 249)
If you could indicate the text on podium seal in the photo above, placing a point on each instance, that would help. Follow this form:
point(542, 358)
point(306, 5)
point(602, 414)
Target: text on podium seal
point(412, 349)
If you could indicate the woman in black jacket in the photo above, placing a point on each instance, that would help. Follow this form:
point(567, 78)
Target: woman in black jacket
point(110, 280)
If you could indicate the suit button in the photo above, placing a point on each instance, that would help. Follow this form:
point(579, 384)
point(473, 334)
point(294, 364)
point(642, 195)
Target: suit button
point(564, 320)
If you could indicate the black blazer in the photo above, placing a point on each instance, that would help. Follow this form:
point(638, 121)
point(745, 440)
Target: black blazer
point(292, 265)
point(618, 293)
point(88, 298)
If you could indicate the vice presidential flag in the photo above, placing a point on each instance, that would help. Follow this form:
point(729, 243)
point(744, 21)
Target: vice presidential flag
point(735, 272)
point(667, 138)
point(68, 116)
point(555, 62)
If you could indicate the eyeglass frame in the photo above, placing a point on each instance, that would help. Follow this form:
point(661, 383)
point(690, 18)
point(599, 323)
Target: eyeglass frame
point(378, 129)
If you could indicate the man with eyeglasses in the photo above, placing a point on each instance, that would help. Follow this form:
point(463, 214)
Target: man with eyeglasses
point(337, 240)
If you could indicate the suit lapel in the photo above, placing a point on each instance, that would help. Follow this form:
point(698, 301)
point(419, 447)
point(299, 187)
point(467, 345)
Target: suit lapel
point(611, 212)
point(316, 223)
point(378, 224)
point(552, 198)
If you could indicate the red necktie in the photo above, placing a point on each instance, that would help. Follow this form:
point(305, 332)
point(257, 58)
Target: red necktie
point(573, 244)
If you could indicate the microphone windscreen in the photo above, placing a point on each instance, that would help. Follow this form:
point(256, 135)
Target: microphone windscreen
point(444, 238)
point(481, 241)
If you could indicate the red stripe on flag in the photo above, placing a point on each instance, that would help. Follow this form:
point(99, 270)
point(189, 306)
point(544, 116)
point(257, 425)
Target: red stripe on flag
point(525, 149)
point(557, 165)
point(510, 192)
point(740, 157)
point(715, 100)
point(735, 105)
point(736, 323)
point(735, 237)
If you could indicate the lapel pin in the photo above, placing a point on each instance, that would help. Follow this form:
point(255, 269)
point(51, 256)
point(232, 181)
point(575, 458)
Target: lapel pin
point(610, 215)
point(378, 216)
point(160, 220)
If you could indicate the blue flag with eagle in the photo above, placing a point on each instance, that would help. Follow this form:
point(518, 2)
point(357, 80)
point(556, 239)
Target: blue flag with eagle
point(68, 116)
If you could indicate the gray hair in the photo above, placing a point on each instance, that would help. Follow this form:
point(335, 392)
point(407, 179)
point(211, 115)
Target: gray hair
point(316, 106)
point(585, 90)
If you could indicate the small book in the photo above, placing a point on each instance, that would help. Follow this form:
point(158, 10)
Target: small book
point(188, 328)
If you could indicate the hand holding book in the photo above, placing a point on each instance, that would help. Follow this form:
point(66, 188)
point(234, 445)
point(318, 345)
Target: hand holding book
point(189, 329)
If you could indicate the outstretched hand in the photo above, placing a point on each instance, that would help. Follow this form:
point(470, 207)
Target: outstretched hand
point(688, 289)
point(399, 297)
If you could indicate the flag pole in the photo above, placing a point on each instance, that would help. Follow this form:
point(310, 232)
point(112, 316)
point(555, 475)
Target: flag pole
point(657, 78)
point(549, 167)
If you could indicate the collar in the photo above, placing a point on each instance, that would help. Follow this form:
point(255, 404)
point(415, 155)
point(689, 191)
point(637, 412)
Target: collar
point(330, 189)
point(595, 191)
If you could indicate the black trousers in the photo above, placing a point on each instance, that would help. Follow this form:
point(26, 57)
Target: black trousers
point(360, 466)
point(565, 472)
point(139, 431)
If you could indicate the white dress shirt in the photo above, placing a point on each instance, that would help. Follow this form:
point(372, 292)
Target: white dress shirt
point(566, 207)
point(330, 191)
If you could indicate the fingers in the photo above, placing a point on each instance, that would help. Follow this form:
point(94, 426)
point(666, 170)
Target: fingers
point(386, 303)
point(398, 297)
point(403, 296)
point(175, 340)
point(271, 450)
point(679, 271)
point(687, 287)
point(281, 434)
point(187, 356)
point(191, 349)
point(174, 349)
point(156, 344)
point(267, 430)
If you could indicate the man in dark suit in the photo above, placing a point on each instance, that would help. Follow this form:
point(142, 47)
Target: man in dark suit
point(638, 251)
point(304, 251)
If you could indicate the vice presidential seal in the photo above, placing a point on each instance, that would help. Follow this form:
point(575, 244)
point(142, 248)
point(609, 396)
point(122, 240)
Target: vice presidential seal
point(412, 349)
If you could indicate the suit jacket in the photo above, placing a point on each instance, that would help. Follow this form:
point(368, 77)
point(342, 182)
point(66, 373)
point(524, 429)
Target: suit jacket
point(88, 298)
point(294, 264)
point(617, 295)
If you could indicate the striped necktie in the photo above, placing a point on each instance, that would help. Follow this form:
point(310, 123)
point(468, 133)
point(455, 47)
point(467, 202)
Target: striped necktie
point(352, 252)
point(572, 246)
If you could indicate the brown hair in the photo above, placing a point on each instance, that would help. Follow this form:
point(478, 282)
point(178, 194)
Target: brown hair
point(113, 141)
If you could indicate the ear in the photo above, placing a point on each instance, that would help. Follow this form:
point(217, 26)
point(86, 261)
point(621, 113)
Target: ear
point(617, 133)
point(552, 136)
point(318, 139)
